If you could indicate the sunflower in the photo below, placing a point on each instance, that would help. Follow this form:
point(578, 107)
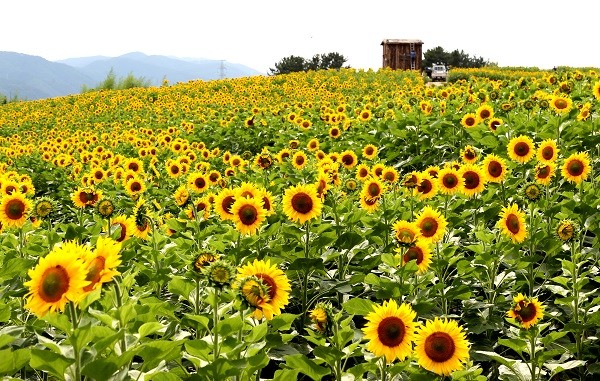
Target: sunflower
point(44, 207)
point(202, 260)
point(58, 278)
point(101, 264)
point(566, 230)
point(283, 155)
point(223, 202)
point(468, 154)
point(576, 168)
point(301, 203)
point(335, 132)
point(322, 317)
point(494, 168)
point(449, 181)
point(485, 111)
point(433, 171)
point(596, 90)
point(432, 224)
point(427, 187)
point(348, 159)
point(368, 204)
point(273, 280)
point(246, 189)
point(268, 201)
point(420, 251)
point(377, 169)
point(561, 104)
point(406, 233)
point(372, 188)
point(512, 223)
point(135, 186)
point(521, 149)
point(469, 120)
point(248, 214)
point(322, 184)
point(526, 311)
point(219, 273)
point(364, 115)
point(86, 196)
point(312, 145)
point(390, 175)
point(105, 208)
point(390, 329)
point(299, 160)
point(369, 152)
point(141, 222)
point(174, 169)
point(181, 195)
point(494, 123)
point(362, 172)
point(441, 346)
point(125, 225)
point(201, 207)
point(474, 180)
point(547, 151)
point(544, 173)
point(14, 210)
point(197, 182)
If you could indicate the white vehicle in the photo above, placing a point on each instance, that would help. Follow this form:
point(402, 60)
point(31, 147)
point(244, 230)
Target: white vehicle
point(439, 72)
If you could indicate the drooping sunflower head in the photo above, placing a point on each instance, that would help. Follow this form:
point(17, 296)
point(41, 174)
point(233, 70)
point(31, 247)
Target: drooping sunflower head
point(14, 210)
point(322, 317)
point(512, 223)
point(576, 168)
point(566, 230)
point(521, 149)
point(441, 346)
point(390, 329)
point(202, 260)
point(406, 233)
point(526, 311)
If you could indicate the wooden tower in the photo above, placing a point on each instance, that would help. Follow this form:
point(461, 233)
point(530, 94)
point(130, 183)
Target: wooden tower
point(397, 54)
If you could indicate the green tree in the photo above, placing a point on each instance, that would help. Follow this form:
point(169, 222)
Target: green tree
point(111, 82)
point(325, 61)
point(455, 58)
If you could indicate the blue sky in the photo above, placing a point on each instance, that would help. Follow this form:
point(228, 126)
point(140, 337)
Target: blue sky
point(260, 33)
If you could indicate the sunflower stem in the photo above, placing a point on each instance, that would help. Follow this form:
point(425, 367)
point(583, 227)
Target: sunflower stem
point(307, 240)
point(216, 327)
point(531, 276)
point(503, 193)
point(383, 369)
point(76, 350)
point(385, 221)
point(119, 300)
point(532, 339)
point(575, 274)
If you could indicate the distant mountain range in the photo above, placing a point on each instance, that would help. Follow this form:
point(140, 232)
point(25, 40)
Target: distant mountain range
point(32, 77)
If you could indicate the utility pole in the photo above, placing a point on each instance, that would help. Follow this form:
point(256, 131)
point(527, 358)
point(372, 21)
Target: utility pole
point(222, 69)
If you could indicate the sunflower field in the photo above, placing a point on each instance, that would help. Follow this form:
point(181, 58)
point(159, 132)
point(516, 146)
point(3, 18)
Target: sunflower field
point(328, 225)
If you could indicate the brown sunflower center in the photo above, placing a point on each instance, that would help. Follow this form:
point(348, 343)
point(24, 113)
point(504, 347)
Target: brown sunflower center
point(521, 149)
point(525, 311)
point(369, 151)
point(415, 253)
point(561, 103)
point(548, 153)
point(450, 180)
point(513, 224)
point(543, 172)
point(55, 282)
point(391, 331)
point(248, 214)
point(299, 160)
point(174, 169)
point(469, 155)
point(226, 204)
point(575, 167)
point(484, 114)
point(267, 203)
point(494, 169)
point(200, 183)
point(405, 235)
point(494, 125)
point(133, 166)
point(136, 186)
point(15, 209)
point(429, 227)
point(425, 187)
point(302, 203)
point(94, 272)
point(439, 347)
point(472, 180)
point(270, 283)
point(363, 172)
point(374, 190)
point(347, 159)
point(470, 121)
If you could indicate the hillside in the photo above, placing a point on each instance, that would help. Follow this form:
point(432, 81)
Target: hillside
point(32, 77)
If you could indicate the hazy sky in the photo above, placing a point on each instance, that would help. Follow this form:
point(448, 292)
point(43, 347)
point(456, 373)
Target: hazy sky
point(260, 33)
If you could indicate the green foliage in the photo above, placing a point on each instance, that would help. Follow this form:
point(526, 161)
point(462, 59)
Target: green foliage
point(453, 59)
point(293, 63)
point(111, 82)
